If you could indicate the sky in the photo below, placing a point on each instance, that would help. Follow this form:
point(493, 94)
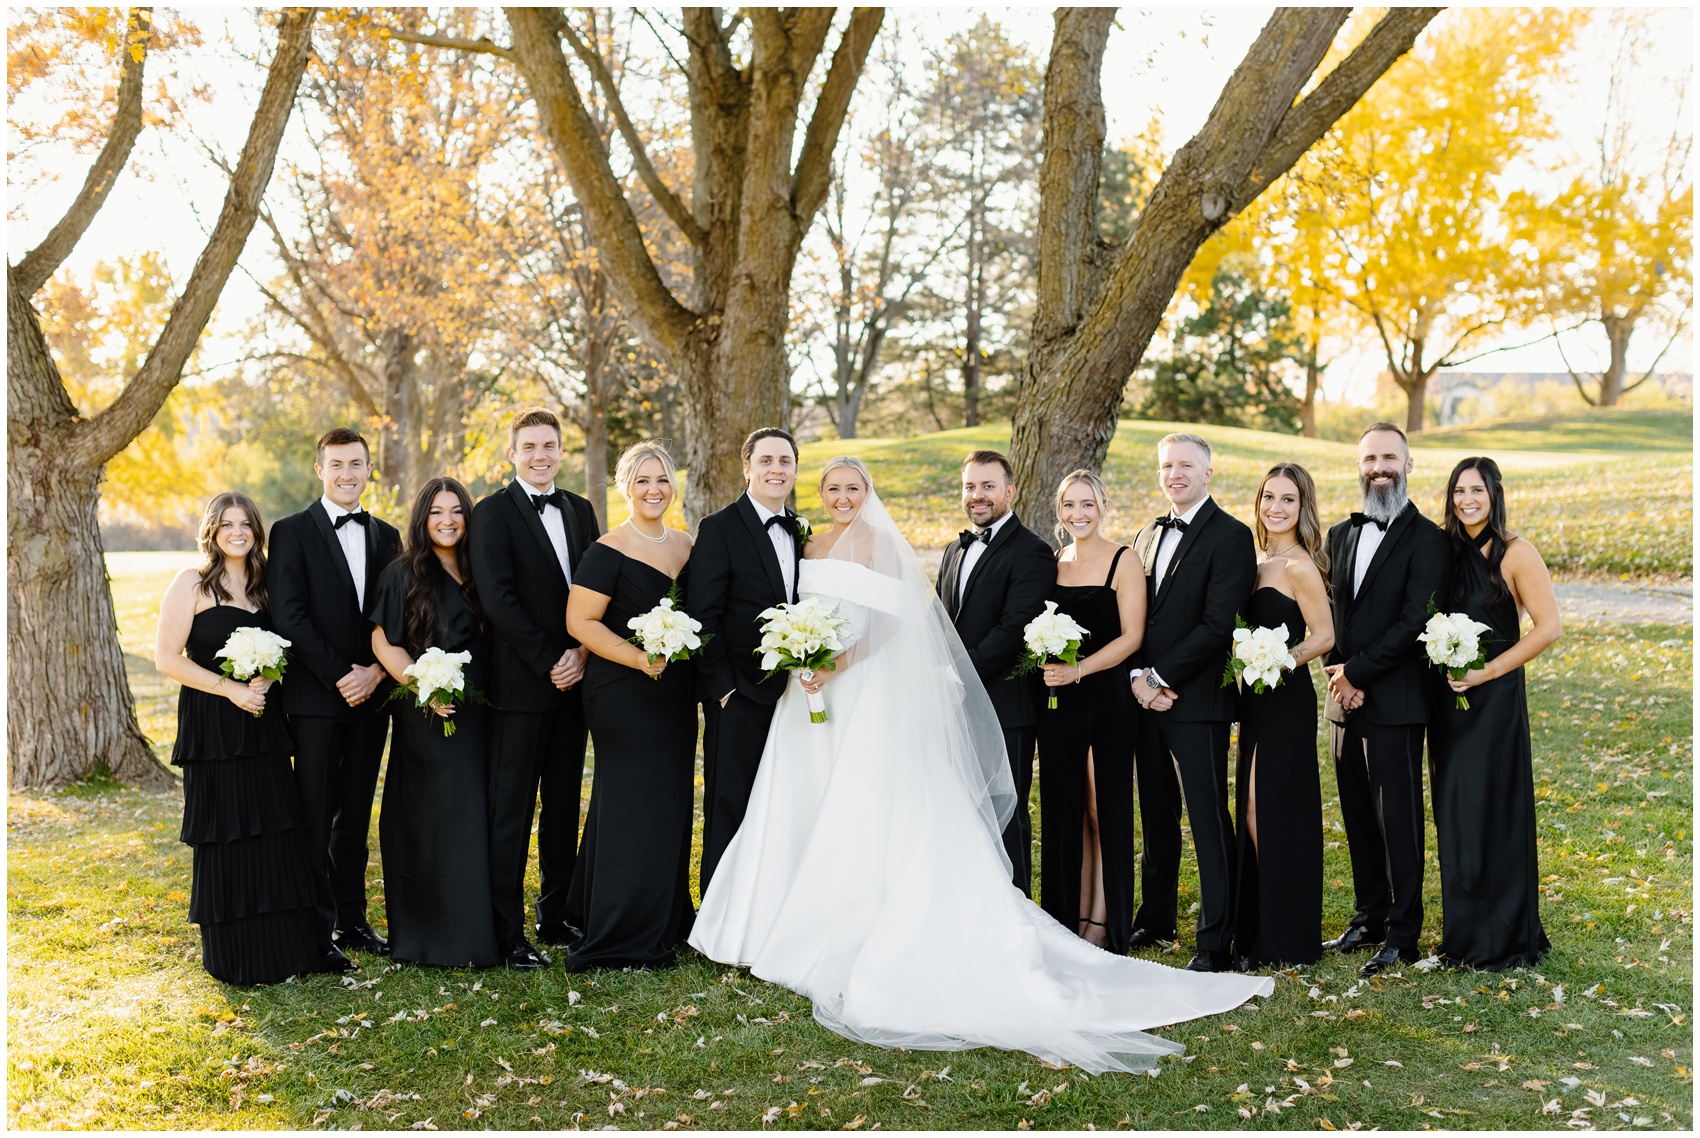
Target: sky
point(1167, 61)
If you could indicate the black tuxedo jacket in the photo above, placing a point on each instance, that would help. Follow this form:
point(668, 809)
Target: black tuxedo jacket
point(315, 607)
point(1008, 587)
point(1375, 632)
point(524, 593)
point(735, 574)
point(1189, 622)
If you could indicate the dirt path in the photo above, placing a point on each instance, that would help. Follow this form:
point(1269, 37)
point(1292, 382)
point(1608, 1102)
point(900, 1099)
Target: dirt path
point(1627, 604)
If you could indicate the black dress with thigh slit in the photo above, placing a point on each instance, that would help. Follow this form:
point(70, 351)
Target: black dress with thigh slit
point(1483, 789)
point(1095, 716)
point(1279, 914)
point(630, 894)
point(252, 885)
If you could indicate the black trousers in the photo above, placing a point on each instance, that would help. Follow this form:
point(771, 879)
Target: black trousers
point(336, 773)
point(532, 755)
point(733, 738)
point(1190, 760)
point(1380, 774)
point(1019, 743)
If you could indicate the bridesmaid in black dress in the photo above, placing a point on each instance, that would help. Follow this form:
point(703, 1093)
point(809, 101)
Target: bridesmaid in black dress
point(630, 897)
point(1086, 745)
point(433, 826)
point(1483, 779)
point(252, 884)
point(1279, 791)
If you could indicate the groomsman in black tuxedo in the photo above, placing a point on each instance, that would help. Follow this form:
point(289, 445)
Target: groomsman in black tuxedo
point(993, 581)
point(527, 538)
point(325, 563)
point(1389, 563)
point(745, 560)
point(1200, 568)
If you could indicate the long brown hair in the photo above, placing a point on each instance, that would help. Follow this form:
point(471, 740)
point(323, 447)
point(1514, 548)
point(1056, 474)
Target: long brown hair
point(1496, 524)
point(1309, 529)
point(422, 603)
point(212, 557)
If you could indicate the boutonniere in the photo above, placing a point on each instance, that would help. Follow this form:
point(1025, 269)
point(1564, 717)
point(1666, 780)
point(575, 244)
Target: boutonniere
point(804, 530)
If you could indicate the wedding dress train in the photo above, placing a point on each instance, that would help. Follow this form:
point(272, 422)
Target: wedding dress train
point(870, 875)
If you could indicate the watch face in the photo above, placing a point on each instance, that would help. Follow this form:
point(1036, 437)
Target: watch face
point(1151, 681)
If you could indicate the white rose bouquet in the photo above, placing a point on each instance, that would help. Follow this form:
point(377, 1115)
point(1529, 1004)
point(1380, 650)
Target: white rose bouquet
point(1051, 635)
point(802, 638)
point(438, 677)
point(1260, 657)
point(251, 652)
point(1454, 644)
point(665, 632)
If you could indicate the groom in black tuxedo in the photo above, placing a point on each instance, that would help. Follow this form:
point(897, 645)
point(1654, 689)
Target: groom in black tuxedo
point(745, 560)
point(1389, 563)
point(323, 578)
point(1200, 568)
point(993, 581)
point(526, 540)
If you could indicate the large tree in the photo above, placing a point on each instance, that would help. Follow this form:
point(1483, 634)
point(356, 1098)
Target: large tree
point(70, 710)
point(1099, 305)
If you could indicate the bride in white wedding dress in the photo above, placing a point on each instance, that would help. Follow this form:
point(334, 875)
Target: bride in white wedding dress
point(869, 873)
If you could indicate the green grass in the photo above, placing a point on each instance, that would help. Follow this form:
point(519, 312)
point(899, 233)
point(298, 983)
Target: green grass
point(112, 1022)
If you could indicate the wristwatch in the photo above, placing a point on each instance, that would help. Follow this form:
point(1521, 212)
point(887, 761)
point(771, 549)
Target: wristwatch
point(1151, 680)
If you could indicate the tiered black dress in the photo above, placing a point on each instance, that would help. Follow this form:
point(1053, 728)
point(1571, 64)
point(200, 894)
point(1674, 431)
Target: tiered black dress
point(1096, 715)
point(1279, 913)
point(252, 885)
point(433, 828)
point(1484, 796)
point(631, 893)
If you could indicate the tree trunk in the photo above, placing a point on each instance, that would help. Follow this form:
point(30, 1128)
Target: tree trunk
point(975, 303)
point(70, 709)
point(398, 440)
point(1313, 384)
point(596, 384)
point(1613, 378)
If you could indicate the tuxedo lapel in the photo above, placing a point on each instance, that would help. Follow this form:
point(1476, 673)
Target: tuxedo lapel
point(569, 518)
point(1146, 546)
point(1343, 574)
point(322, 522)
point(533, 521)
point(372, 568)
point(1395, 534)
point(1187, 541)
point(1000, 542)
point(950, 571)
point(764, 547)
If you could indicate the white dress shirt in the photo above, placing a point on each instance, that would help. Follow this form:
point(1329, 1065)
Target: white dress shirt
point(352, 538)
point(553, 524)
point(1370, 536)
point(784, 539)
point(971, 557)
point(1171, 538)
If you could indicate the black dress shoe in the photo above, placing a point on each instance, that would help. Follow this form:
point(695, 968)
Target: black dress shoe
point(336, 963)
point(1387, 958)
point(360, 938)
point(1354, 938)
point(1144, 939)
point(557, 932)
point(519, 956)
point(1206, 961)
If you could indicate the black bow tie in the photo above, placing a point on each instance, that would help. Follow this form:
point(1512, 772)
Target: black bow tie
point(969, 536)
point(357, 516)
point(1366, 520)
point(556, 499)
point(1168, 521)
point(789, 524)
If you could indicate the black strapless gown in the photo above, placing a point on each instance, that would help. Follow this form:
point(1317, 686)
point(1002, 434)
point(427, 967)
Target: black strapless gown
point(1279, 912)
point(631, 890)
point(433, 826)
point(1097, 716)
point(251, 889)
point(1483, 787)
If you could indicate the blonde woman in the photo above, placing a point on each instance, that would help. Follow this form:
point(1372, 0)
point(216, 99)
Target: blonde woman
point(630, 895)
point(1086, 745)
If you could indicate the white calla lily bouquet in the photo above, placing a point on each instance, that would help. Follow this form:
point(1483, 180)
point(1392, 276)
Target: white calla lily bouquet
point(803, 638)
point(251, 651)
point(438, 678)
point(1051, 635)
point(666, 632)
point(1259, 657)
point(1454, 644)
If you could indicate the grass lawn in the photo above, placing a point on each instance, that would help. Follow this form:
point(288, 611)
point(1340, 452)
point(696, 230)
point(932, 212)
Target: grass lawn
point(112, 1022)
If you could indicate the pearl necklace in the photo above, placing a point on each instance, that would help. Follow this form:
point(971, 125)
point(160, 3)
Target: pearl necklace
point(662, 540)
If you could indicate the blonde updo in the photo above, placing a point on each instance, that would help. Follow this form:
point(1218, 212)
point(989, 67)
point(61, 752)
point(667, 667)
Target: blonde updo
point(1090, 478)
point(842, 461)
point(634, 456)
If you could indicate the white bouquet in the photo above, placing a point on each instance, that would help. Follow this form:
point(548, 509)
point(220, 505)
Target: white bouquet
point(1051, 635)
point(1455, 645)
point(802, 638)
point(251, 652)
point(437, 676)
point(1260, 656)
point(666, 633)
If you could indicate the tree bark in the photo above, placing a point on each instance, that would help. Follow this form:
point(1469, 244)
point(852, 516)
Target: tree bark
point(973, 307)
point(1313, 385)
point(400, 439)
point(1613, 378)
point(71, 711)
point(1091, 325)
